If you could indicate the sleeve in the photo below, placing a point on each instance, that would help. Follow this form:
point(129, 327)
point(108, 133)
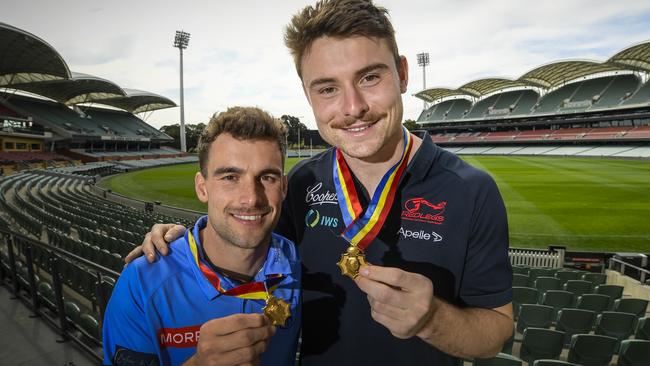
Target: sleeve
point(127, 339)
point(487, 279)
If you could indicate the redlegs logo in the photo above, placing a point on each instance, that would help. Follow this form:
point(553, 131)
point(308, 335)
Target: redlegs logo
point(419, 209)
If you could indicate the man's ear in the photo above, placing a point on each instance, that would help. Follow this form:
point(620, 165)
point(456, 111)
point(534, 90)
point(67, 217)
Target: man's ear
point(403, 71)
point(200, 188)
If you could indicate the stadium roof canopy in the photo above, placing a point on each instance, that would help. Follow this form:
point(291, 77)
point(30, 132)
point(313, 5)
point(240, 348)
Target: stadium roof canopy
point(136, 101)
point(550, 76)
point(27, 58)
point(485, 86)
point(79, 88)
point(635, 57)
point(431, 95)
point(557, 73)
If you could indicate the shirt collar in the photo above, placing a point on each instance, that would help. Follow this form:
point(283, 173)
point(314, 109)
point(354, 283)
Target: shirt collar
point(276, 262)
point(423, 159)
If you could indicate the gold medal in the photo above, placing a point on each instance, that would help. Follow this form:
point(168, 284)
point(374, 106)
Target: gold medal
point(351, 261)
point(277, 310)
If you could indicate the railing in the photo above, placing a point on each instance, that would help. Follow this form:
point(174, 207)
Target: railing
point(643, 273)
point(553, 258)
point(50, 259)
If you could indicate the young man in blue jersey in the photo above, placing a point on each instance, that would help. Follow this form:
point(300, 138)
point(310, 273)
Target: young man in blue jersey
point(433, 227)
point(228, 293)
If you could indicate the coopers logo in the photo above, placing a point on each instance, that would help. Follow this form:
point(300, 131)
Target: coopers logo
point(420, 234)
point(179, 337)
point(419, 209)
point(313, 218)
point(315, 197)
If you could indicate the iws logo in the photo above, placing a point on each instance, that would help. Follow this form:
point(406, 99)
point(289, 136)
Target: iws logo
point(314, 218)
point(314, 197)
point(419, 209)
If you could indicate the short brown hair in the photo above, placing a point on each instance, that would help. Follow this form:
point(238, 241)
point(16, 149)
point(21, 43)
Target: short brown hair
point(340, 19)
point(242, 123)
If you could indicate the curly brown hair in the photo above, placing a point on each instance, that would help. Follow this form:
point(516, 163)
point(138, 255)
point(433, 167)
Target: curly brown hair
point(339, 19)
point(242, 123)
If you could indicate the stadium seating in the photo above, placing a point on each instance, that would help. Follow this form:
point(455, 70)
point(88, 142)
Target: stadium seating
point(558, 299)
point(641, 96)
point(613, 291)
point(502, 359)
point(596, 279)
point(523, 295)
point(628, 305)
point(553, 363)
point(574, 321)
point(616, 325)
point(634, 352)
point(540, 343)
point(519, 280)
point(577, 287)
point(591, 349)
point(643, 329)
point(565, 276)
point(594, 302)
point(533, 315)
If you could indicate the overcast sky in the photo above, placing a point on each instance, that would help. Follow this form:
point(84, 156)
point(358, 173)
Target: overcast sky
point(236, 54)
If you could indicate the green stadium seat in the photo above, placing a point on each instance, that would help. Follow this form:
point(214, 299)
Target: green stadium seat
point(637, 307)
point(594, 302)
point(89, 325)
point(564, 275)
point(553, 363)
point(591, 349)
point(46, 294)
point(596, 279)
point(574, 321)
point(543, 284)
point(72, 310)
point(558, 300)
point(519, 280)
point(502, 359)
point(522, 270)
point(523, 295)
point(536, 272)
point(643, 329)
point(613, 291)
point(540, 343)
point(616, 325)
point(634, 352)
point(578, 287)
point(533, 315)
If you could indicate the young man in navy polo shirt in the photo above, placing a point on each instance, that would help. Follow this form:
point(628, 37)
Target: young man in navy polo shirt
point(217, 298)
point(432, 228)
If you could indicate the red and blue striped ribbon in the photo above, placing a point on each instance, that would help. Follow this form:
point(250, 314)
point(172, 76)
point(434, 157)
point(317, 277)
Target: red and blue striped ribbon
point(363, 226)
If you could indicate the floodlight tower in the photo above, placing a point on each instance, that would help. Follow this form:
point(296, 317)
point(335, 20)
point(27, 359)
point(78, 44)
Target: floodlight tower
point(181, 41)
point(423, 60)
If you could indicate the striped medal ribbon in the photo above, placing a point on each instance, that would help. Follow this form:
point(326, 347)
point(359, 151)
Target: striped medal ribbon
point(275, 308)
point(363, 226)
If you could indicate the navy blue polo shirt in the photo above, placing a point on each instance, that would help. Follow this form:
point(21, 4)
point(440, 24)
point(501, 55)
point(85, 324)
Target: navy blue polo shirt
point(448, 223)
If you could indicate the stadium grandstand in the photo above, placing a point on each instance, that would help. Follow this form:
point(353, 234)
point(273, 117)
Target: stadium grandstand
point(565, 108)
point(63, 239)
point(53, 117)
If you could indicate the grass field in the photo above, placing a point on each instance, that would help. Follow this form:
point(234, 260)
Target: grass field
point(585, 204)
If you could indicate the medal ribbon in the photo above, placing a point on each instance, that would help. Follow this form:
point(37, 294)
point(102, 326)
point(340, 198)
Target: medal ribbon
point(362, 227)
point(259, 290)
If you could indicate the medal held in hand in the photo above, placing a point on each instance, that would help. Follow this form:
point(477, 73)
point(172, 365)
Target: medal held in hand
point(277, 310)
point(363, 226)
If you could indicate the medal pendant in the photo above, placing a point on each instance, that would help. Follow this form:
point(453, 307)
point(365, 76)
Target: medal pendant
point(351, 261)
point(277, 310)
